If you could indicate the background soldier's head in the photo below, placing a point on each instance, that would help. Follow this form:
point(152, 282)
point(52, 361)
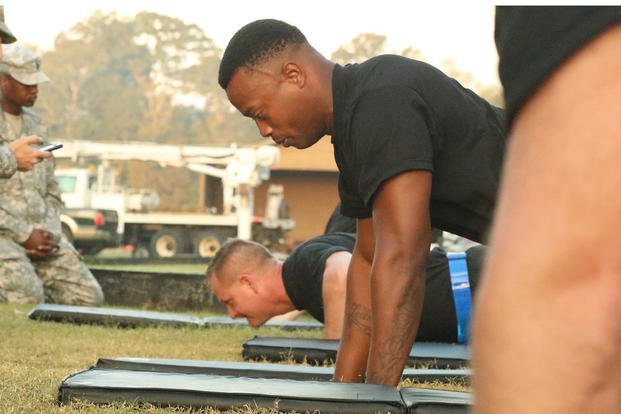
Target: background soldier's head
point(5, 33)
point(20, 73)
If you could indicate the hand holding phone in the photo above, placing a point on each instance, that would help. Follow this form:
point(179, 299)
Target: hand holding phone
point(50, 147)
point(27, 153)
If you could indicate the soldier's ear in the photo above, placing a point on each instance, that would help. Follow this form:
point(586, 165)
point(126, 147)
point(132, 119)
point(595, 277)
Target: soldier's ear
point(248, 280)
point(293, 73)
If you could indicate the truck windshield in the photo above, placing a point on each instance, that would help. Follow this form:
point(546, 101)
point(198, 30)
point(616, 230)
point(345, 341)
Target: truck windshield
point(66, 183)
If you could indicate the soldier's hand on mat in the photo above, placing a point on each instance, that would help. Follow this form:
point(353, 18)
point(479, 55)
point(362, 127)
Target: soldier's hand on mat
point(40, 244)
point(27, 155)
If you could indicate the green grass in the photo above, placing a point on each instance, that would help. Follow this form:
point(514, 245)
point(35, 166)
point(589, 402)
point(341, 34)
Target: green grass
point(35, 356)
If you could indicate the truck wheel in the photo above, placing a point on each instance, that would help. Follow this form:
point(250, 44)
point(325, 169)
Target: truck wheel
point(140, 252)
point(67, 232)
point(166, 243)
point(206, 244)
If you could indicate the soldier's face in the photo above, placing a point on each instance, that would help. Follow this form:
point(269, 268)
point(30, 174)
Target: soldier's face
point(279, 105)
point(17, 93)
point(243, 301)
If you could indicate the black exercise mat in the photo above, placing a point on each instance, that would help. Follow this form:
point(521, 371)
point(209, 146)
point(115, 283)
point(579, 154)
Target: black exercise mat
point(316, 351)
point(262, 370)
point(102, 386)
point(427, 401)
point(212, 321)
point(135, 318)
point(110, 316)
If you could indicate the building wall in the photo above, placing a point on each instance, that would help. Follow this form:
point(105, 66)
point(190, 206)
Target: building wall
point(311, 197)
point(310, 180)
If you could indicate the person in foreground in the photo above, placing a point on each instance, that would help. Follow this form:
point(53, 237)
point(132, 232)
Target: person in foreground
point(254, 284)
point(37, 263)
point(414, 149)
point(546, 333)
point(19, 154)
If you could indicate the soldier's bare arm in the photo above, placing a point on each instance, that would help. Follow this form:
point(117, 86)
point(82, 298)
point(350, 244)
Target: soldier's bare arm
point(402, 229)
point(351, 360)
point(333, 293)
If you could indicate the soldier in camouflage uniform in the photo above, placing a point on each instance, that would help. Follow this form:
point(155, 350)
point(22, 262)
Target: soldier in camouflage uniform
point(37, 263)
point(19, 155)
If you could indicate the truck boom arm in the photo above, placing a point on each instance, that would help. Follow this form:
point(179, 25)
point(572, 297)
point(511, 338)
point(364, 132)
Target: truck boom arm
point(240, 169)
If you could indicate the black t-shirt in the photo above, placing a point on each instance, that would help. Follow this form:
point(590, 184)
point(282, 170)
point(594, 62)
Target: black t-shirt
point(302, 274)
point(394, 114)
point(302, 271)
point(532, 41)
point(340, 223)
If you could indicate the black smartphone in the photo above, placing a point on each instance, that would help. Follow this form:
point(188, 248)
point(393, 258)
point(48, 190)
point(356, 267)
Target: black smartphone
point(50, 147)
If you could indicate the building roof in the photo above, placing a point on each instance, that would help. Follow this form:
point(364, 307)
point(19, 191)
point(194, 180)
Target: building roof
point(319, 157)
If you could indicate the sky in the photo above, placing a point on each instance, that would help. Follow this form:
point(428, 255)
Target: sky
point(461, 31)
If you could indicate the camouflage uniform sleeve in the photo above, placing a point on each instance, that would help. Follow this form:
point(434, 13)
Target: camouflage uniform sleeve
point(12, 222)
point(10, 226)
point(53, 199)
point(14, 227)
point(8, 163)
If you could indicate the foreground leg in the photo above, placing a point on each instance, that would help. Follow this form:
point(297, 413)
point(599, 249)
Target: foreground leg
point(547, 335)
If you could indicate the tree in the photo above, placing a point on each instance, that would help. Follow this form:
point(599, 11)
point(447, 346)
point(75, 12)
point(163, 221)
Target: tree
point(491, 93)
point(147, 78)
point(151, 78)
point(360, 48)
point(367, 45)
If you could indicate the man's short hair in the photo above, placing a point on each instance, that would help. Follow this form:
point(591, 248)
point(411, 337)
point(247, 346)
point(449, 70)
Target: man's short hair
point(237, 254)
point(255, 43)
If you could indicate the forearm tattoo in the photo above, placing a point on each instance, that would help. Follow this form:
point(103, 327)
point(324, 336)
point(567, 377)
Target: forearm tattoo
point(390, 359)
point(359, 316)
point(390, 351)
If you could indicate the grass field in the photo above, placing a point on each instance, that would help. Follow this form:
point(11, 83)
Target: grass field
point(35, 356)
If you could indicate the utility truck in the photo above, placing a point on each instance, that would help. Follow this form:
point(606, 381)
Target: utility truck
point(153, 233)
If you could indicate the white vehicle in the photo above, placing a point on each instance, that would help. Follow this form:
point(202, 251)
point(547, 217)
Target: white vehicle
point(166, 234)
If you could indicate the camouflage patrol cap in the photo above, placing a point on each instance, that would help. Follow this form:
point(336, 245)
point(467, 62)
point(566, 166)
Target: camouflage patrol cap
point(5, 32)
point(23, 64)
